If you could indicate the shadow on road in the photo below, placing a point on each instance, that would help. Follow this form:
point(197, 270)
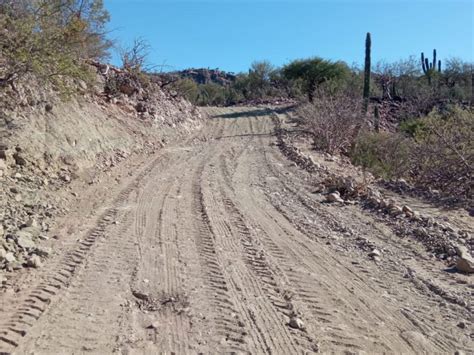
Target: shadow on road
point(256, 112)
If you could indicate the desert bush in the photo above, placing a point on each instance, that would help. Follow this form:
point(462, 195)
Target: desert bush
point(443, 155)
point(211, 95)
point(333, 120)
point(50, 39)
point(187, 88)
point(435, 151)
point(385, 154)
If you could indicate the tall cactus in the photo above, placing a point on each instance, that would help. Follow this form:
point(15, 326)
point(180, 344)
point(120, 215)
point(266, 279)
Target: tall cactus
point(430, 68)
point(368, 44)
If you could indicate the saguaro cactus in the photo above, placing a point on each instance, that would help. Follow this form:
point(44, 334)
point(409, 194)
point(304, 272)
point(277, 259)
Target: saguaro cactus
point(430, 68)
point(368, 44)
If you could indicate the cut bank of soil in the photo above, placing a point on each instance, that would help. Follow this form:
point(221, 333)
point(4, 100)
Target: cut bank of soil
point(218, 245)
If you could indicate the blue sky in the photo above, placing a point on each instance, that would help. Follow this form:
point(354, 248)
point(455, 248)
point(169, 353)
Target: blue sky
point(230, 34)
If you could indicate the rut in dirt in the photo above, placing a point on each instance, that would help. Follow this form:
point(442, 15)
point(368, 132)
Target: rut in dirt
point(219, 245)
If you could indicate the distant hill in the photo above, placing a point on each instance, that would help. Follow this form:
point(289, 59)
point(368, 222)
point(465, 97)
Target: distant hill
point(205, 76)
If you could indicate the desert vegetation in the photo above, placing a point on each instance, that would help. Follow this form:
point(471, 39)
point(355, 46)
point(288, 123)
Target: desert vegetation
point(51, 39)
point(411, 119)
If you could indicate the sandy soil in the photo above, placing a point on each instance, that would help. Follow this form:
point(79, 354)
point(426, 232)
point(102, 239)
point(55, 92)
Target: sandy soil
point(218, 245)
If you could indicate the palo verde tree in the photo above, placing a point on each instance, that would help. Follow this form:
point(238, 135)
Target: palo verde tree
point(313, 72)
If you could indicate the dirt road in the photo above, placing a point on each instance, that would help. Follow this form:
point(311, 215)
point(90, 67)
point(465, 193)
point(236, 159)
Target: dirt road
point(219, 245)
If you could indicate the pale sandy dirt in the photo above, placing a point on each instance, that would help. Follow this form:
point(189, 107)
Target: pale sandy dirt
point(213, 245)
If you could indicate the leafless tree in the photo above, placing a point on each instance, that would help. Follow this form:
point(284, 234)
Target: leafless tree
point(134, 58)
point(333, 120)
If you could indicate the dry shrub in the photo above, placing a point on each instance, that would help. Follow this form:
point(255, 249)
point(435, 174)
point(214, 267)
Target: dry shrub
point(385, 154)
point(443, 155)
point(437, 154)
point(333, 120)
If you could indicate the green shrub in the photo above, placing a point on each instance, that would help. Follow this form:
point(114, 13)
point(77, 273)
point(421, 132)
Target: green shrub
point(50, 39)
point(384, 154)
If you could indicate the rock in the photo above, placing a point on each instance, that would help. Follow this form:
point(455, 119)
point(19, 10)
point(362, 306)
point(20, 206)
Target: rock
point(334, 197)
point(407, 209)
point(3, 165)
point(10, 258)
point(154, 325)
point(465, 262)
point(42, 251)
point(34, 261)
point(32, 231)
point(32, 223)
point(48, 107)
point(24, 241)
point(296, 323)
point(15, 265)
point(141, 107)
point(461, 325)
point(19, 159)
point(3, 254)
point(375, 253)
point(66, 178)
point(395, 210)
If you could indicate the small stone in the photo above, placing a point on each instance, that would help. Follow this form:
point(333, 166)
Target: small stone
point(34, 261)
point(32, 223)
point(461, 325)
point(24, 241)
point(465, 262)
point(395, 210)
point(32, 231)
point(10, 258)
point(15, 265)
point(296, 323)
point(154, 325)
point(375, 253)
point(19, 159)
point(43, 251)
point(334, 197)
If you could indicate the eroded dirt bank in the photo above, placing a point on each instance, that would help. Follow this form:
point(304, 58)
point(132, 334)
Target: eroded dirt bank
point(219, 245)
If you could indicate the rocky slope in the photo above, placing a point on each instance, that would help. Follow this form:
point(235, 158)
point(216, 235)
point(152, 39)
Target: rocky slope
point(47, 143)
